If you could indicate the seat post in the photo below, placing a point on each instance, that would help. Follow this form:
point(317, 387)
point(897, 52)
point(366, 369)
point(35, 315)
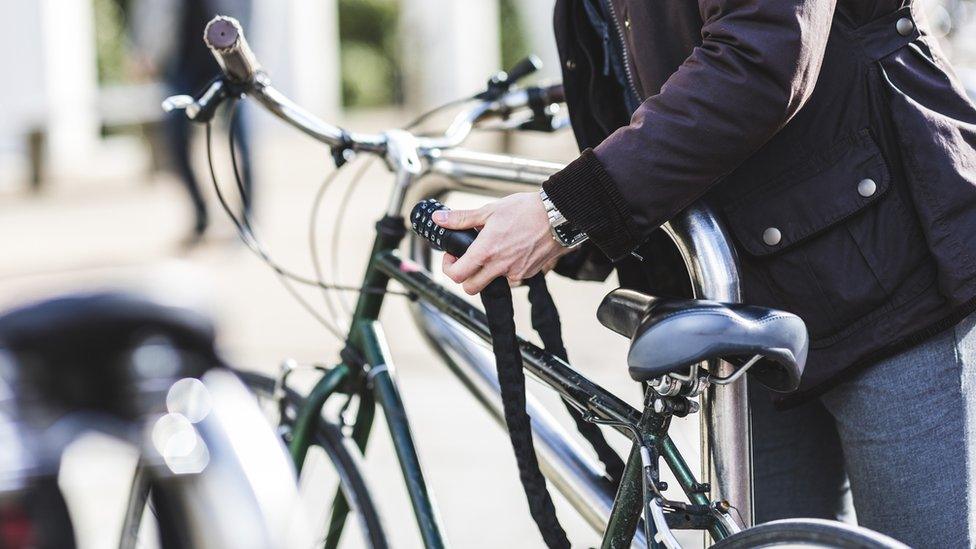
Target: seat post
point(726, 432)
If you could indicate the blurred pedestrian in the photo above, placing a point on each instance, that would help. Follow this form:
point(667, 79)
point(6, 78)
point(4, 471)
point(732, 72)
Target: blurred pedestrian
point(168, 38)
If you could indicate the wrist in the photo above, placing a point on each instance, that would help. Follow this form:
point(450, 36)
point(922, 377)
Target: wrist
point(563, 232)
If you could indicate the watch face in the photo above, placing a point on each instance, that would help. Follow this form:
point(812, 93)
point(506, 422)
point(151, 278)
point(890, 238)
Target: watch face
point(569, 236)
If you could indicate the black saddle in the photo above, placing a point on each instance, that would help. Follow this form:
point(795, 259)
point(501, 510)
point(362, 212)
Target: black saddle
point(668, 335)
point(80, 349)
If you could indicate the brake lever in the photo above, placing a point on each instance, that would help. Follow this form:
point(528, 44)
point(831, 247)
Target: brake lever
point(178, 103)
point(542, 120)
point(203, 108)
point(502, 81)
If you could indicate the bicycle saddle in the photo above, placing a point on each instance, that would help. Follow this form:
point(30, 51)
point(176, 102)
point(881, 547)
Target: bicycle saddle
point(668, 335)
point(82, 349)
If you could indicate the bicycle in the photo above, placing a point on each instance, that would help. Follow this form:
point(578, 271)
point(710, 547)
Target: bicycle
point(771, 345)
point(144, 372)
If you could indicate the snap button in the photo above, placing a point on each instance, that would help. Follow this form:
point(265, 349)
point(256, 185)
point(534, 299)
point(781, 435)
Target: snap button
point(867, 187)
point(570, 64)
point(772, 236)
point(904, 26)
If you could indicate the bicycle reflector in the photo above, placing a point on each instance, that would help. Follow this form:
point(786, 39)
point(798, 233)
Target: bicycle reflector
point(445, 240)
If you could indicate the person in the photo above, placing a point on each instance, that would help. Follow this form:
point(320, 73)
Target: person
point(836, 144)
point(168, 37)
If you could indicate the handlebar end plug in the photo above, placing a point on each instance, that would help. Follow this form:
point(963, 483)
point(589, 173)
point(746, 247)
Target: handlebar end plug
point(222, 33)
point(225, 38)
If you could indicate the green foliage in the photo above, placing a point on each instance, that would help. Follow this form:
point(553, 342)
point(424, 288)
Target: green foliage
point(370, 49)
point(109, 41)
point(369, 21)
point(514, 44)
point(368, 76)
point(369, 52)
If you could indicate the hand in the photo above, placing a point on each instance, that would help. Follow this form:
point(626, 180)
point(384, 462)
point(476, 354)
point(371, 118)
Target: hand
point(514, 241)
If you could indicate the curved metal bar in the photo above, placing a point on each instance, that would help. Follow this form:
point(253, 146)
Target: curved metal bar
point(713, 268)
point(726, 430)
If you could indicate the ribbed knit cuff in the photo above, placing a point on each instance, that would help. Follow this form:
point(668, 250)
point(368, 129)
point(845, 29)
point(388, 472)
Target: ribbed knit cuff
point(588, 198)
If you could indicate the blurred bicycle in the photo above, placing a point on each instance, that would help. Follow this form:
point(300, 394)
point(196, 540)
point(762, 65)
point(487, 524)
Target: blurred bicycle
point(147, 374)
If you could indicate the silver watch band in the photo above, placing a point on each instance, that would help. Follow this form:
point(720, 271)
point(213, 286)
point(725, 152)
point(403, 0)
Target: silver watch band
point(559, 226)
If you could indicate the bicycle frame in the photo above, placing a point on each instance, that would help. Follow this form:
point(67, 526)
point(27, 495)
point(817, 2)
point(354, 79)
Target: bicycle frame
point(450, 322)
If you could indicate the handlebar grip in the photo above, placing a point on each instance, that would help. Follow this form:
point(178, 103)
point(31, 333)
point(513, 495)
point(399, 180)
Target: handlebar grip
point(541, 97)
point(446, 240)
point(225, 38)
point(524, 67)
point(554, 94)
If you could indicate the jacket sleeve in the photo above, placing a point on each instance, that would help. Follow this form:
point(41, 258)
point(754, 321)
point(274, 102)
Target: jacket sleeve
point(756, 66)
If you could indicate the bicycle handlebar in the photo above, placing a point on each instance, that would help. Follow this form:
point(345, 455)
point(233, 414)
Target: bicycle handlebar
point(225, 38)
point(547, 95)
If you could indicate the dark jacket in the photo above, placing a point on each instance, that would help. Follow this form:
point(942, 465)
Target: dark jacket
point(833, 140)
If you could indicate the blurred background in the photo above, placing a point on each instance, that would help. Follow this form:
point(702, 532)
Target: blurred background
point(98, 187)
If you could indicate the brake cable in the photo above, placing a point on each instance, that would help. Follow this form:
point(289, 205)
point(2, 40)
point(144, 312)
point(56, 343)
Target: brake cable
point(249, 236)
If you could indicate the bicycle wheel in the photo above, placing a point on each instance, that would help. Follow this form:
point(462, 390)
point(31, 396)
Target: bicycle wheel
point(809, 533)
point(333, 463)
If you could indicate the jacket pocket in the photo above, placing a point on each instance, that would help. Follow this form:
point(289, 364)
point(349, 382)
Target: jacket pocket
point(829, 239)
point(935, 128)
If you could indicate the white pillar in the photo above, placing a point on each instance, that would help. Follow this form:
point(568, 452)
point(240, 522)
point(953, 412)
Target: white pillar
point(297, 41)
point(70, 81)
point(450, 48)
point(22, 101)
point(536, 19)
point(316, 78)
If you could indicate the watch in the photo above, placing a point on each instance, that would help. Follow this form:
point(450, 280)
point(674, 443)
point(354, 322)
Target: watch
point(562, 230)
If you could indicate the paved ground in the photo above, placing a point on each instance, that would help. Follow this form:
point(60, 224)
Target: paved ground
point(95, 231)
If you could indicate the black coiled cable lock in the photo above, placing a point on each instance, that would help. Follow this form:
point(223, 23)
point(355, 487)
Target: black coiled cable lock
point(444, 240)
point(497, 301)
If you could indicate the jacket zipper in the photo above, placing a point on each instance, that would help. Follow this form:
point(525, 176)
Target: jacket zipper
point(623, 49)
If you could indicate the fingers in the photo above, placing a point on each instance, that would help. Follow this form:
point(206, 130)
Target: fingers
point(462, 219)
point(447, 261)
point(462, 268)
point(469, 270)
point(482, 278)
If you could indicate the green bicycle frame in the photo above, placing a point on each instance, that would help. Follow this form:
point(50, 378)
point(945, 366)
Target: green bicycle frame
point(366, 367)
point(366, 370)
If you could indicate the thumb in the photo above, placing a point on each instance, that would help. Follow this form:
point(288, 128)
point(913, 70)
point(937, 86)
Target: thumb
point(460, 219)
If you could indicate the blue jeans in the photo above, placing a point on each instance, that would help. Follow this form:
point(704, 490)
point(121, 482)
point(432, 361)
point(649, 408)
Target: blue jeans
point(892, 449)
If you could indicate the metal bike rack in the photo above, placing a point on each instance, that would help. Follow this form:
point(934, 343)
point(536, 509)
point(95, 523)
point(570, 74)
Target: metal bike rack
point(711, 262)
